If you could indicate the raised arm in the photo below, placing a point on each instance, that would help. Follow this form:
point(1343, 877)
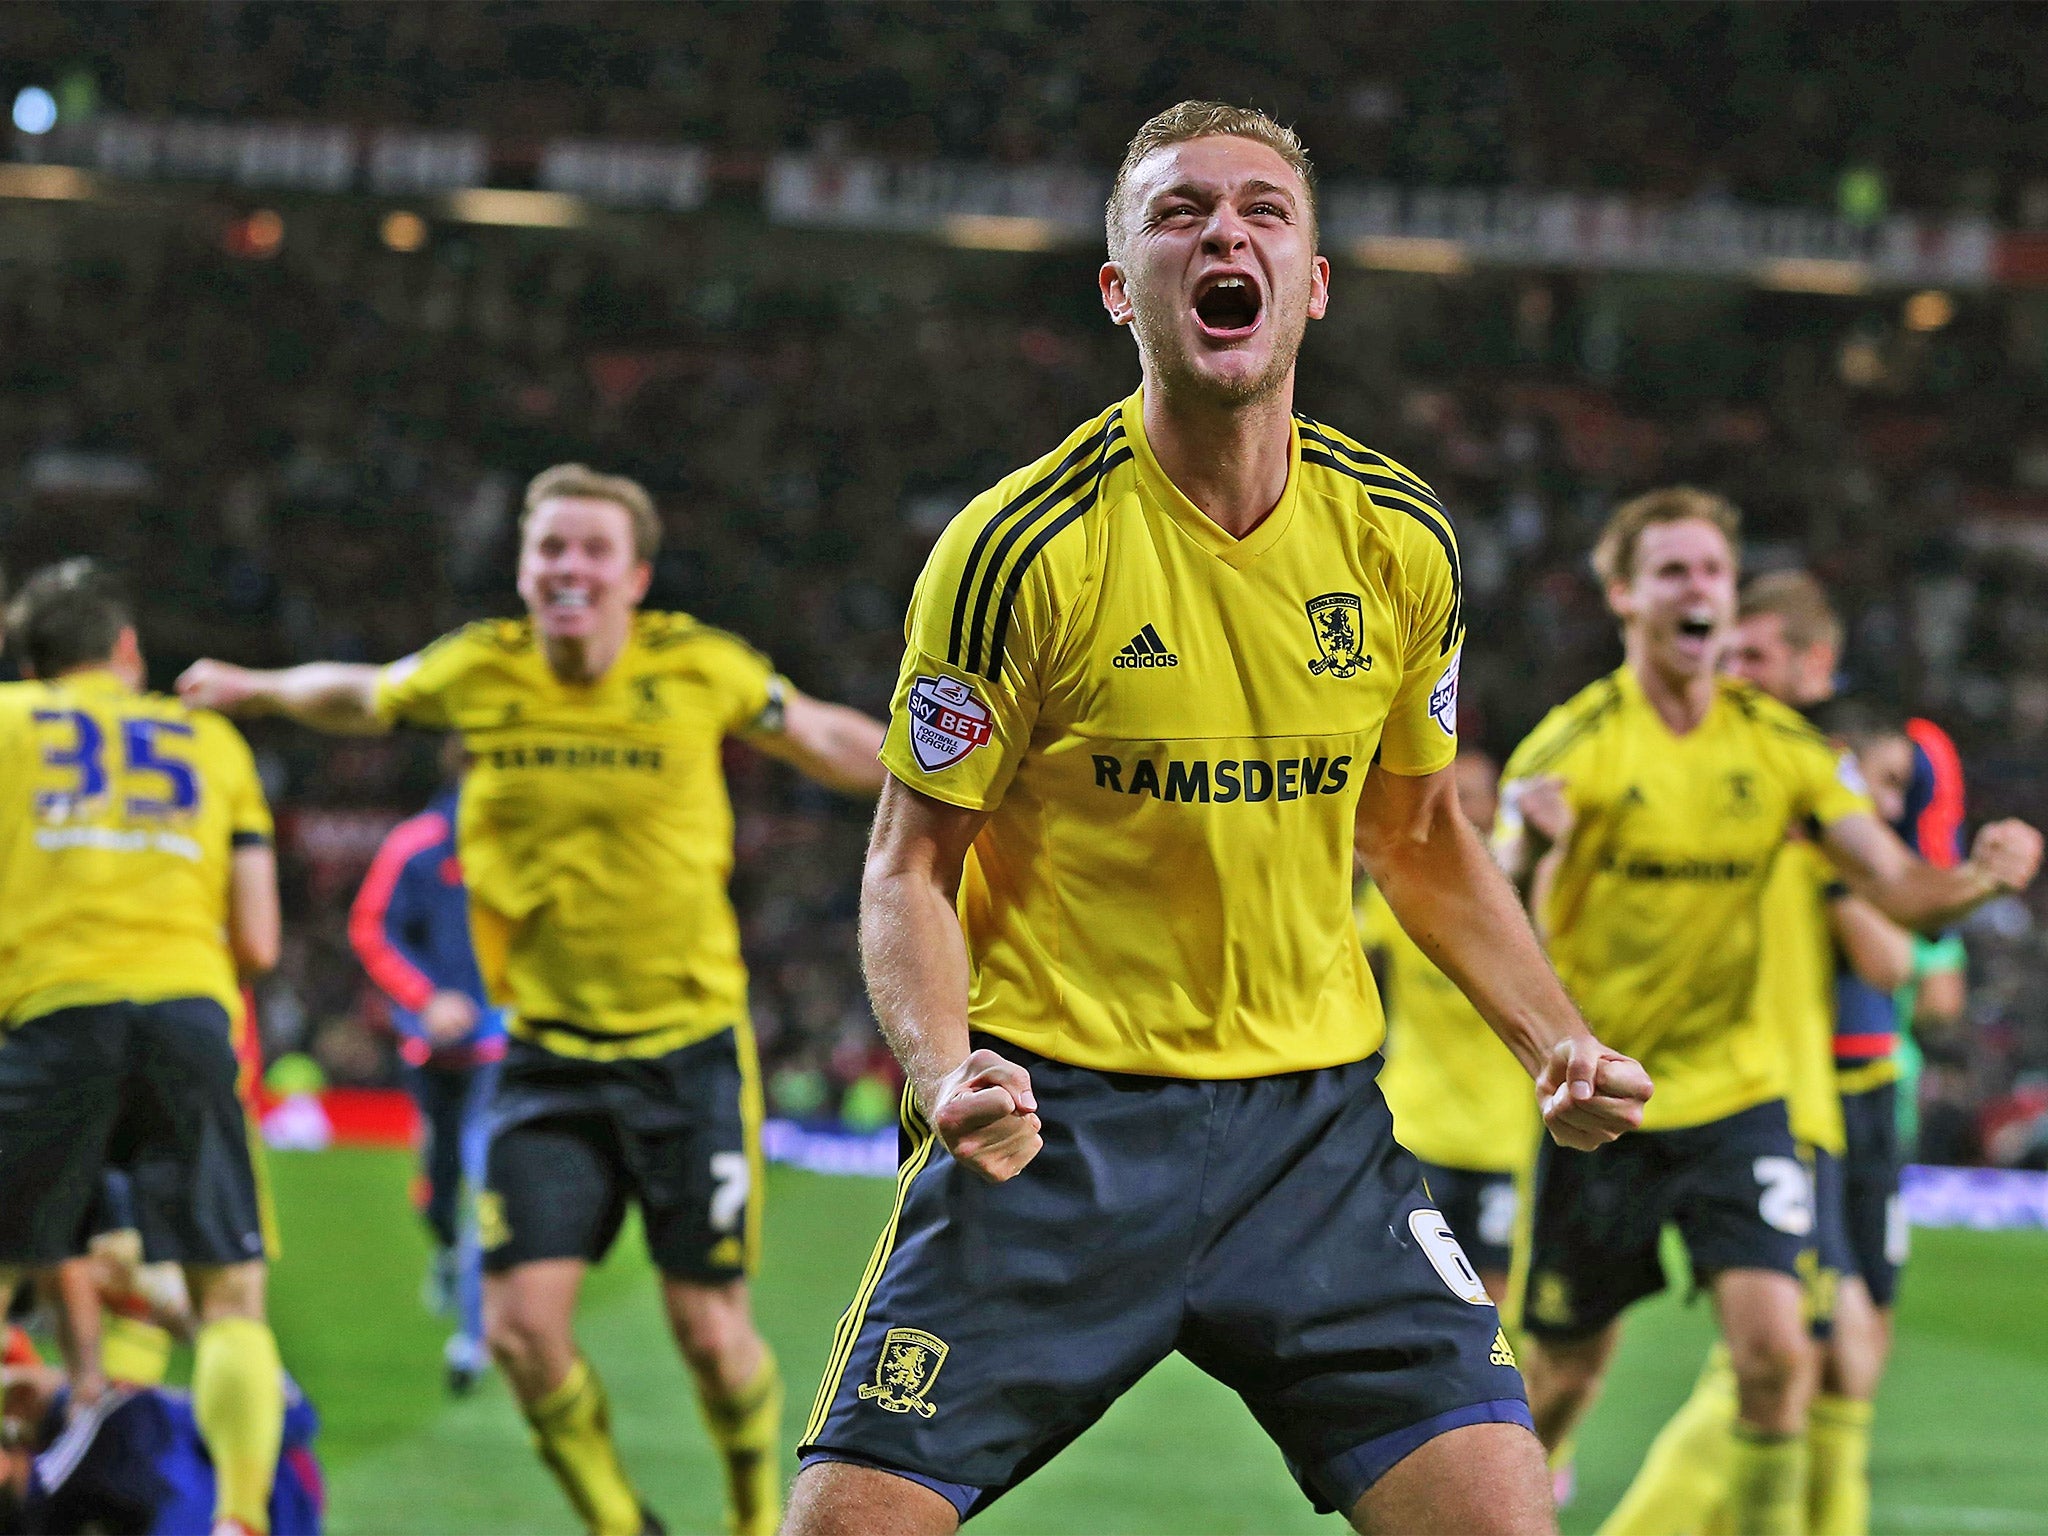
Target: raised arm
point(335, 696)
point(1906, 888)
point(915, 958)
point(1454, 902)
point(832, 743)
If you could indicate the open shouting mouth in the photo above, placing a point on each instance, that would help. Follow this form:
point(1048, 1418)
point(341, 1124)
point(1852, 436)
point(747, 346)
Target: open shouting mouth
point(1228, 306)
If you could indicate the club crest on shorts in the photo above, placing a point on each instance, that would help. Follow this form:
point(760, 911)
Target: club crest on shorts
point(1338, 619)
point(904, 1374)
point(946, 722)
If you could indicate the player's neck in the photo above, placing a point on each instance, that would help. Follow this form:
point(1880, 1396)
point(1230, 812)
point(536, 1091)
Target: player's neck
point(1229, 460)
point(583, 659)
point(1680, 698)
point(97, 669)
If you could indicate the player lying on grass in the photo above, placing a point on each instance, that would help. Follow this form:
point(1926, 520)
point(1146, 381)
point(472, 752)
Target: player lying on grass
point(596, 840)
point(133, 1459)
point(1157, 686)
point(137, 888)
point(1681, 786)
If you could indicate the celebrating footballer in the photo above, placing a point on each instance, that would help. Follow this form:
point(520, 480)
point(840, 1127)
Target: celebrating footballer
point(1106, 925)
point(596, 840)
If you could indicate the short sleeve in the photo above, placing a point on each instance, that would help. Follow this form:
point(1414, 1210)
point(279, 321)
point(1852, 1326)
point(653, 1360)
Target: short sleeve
point(234, 770)
point(1828, 784)
point(968, 694)
point(1421, 731)
point(420, 690)
point(1941, 956)
point(748, 685)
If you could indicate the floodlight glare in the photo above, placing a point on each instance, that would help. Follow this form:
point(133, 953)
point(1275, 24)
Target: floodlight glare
point(35, 110)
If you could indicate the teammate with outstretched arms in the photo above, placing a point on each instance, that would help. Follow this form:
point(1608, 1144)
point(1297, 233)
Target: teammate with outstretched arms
point(1157, 684)
point(137, 889)
point(1679, 788)
point(596, 841)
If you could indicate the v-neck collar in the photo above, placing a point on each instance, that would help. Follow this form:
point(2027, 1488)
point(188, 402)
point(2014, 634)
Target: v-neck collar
point(1193, 521)
point(1632, 692)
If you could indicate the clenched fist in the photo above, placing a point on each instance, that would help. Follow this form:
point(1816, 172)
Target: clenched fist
point(221, 685)
point(2009, 852)
point(985, 1113)
point(1589, 1095)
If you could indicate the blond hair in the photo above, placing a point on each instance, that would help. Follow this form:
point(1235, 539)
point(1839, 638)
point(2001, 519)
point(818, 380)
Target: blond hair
point(1205, 120)
point(1801, 605)
point(580, 480)
point(1614, 557)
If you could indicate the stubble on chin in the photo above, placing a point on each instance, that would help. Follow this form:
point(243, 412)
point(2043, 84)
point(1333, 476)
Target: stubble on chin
point(1177, 375)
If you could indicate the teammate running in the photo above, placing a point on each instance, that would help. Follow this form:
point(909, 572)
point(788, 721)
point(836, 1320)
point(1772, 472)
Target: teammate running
point(596, 840)
point(1460, 1100)
point(1682, 787)
point(1154, 681)
point(410, 928)
point(1787, 643)
point(137, 884)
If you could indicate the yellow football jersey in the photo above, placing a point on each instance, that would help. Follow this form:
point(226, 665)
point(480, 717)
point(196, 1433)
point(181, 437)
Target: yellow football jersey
point(1169, 728)
point(1459, 1097)
point(595, 832)
point(1795, 988)
point(116, 835)
point(1654, 919)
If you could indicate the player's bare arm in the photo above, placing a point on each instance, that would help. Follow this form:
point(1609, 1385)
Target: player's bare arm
point(835, 744)
point(915, 958)
point(1879, 867)
point(1451, 898)
point(1878, 950)
point(255, 928)
point(335, 696)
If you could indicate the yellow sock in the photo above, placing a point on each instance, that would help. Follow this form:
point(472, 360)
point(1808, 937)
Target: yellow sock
point(238, 1399)
point(572, 1430)
point(1766, 1483)
point(1684, 1478)
point(747, 1429)
point(1838, 1459)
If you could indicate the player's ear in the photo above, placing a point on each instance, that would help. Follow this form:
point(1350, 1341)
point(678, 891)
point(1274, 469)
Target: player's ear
point(643, 577)
point(1319, 288)
point(127, 655)
point(1116, 296)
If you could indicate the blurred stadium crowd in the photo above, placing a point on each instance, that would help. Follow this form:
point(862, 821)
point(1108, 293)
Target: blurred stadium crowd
point(311, 446)
point(1768, 103)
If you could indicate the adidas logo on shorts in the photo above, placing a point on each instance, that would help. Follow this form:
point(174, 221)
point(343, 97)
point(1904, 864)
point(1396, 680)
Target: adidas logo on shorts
point(1146, 649)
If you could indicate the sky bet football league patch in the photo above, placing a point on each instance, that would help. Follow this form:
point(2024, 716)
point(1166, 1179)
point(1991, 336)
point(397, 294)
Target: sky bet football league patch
point(946, 722)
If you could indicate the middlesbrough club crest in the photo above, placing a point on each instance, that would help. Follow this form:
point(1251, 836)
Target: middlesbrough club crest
point(1337, 618)
point(946, 722)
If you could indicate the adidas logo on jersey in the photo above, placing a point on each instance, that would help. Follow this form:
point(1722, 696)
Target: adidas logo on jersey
point(1146, 649)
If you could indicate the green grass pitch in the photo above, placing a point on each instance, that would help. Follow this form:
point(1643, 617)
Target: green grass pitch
point(1959, 1445)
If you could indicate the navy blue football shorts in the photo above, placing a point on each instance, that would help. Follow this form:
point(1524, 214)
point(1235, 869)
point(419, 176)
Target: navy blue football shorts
point(1269, 1229)
point(1876, 1219)
point(1736, 1188)
point(1828, 1256)
point(1480, 1208)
